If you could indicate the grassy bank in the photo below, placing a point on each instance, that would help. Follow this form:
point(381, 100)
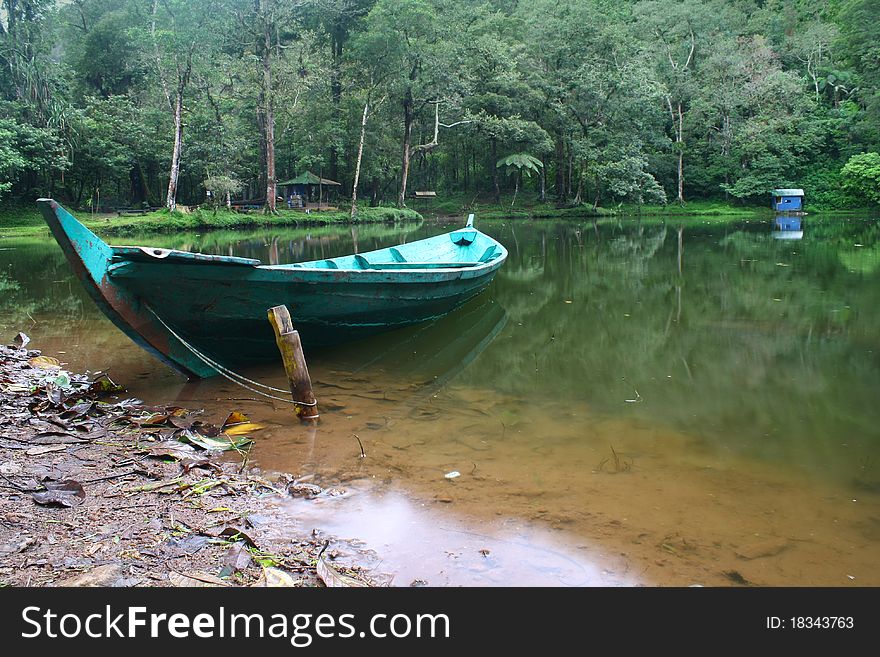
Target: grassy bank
point(24, 221)
point(528, 208)
point(524, 208)
point(695, 208)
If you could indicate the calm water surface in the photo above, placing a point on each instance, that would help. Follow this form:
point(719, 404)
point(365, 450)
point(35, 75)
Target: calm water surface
point(636, 403)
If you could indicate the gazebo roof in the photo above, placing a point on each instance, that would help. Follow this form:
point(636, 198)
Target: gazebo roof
point(308, 178)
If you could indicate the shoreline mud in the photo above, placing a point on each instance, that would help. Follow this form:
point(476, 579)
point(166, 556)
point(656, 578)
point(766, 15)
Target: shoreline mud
point(97, 489)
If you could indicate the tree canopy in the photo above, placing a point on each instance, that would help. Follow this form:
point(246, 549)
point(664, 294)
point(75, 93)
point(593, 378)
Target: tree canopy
point(130, 102)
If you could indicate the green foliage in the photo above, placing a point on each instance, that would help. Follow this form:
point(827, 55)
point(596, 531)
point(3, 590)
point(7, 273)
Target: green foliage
point(603, 97)
point(520, 163)
point(861, 177)
point(27, 153)
point(220, 186)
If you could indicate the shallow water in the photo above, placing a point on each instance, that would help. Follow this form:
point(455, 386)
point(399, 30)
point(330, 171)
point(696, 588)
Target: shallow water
point(629, 404)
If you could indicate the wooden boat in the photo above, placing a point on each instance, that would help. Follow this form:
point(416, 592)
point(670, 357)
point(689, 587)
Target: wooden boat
point(194, 310)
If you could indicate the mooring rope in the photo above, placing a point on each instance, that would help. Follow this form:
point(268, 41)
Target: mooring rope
point(228, 373)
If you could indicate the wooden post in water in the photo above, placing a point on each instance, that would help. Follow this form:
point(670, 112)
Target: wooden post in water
point(287, 339)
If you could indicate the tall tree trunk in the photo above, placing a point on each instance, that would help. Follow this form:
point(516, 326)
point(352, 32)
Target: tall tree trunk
point(408, 120)
point(560, 169)
point(357, 168)
point(542, 196)
point(171, 197)
point(271, 180)
point(678, 129)
point(269, 119)
point(496, 187)
point(336, 94)
point(578, 197)
point(407, 141)
point(680, 155)
point(568, 185)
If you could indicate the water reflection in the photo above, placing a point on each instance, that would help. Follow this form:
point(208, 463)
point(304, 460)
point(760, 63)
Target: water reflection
point(443, 551)
point(788, 227)
point(664, 390)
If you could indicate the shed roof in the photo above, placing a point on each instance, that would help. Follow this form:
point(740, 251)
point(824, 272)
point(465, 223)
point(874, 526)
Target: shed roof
point(308, 178)
point(788, 192)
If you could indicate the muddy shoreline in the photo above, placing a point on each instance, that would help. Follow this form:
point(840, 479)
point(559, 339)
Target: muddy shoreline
point(98, 489)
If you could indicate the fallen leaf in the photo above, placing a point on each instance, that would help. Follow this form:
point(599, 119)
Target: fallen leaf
point(45, 449)
point(233, 534)
point(45, 363)
point(105, 386)
point(205, 442)
point(203, 428)
point(173, 448)
point(56, 438)
point(77, 410)
point(15, 387)
point(242, 428)
point(66, 492)
point(102, 576)
point(238, 558)
point(194, 580)
point(332, 578)
point(18, 546)
point(154, 420)
point(188, 545)
point(235, 417)
point(188, 464)
point(275, 577)
point(55, 396)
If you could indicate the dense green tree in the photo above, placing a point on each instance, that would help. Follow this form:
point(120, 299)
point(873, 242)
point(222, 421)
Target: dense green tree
point(860, 37)
point(143, 101)
point(861, 176)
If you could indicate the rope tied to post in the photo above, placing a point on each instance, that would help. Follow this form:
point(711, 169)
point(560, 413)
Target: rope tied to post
point(231, 375)
point(290, 347)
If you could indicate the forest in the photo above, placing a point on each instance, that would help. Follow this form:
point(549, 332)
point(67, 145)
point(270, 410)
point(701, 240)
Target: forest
point(135, 103)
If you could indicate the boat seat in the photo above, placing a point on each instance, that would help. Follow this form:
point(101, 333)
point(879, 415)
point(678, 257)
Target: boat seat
point(463, 237)
point(363, 263)
point(489, 254)
point(328, 264)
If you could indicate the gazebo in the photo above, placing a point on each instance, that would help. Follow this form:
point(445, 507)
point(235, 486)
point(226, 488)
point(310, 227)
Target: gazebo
point(307, 188)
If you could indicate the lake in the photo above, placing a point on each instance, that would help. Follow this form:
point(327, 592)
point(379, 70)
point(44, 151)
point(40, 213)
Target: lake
point(632, 403)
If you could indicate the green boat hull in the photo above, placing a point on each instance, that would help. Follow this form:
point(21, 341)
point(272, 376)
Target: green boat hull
point(177, 304)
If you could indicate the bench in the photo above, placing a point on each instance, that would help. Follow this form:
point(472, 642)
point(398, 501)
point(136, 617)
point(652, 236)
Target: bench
point(129, 212)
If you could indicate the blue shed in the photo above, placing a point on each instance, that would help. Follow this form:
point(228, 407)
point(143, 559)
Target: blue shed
point(788, 200)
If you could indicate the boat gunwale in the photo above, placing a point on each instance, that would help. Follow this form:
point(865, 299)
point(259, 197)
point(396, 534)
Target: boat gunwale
point(208, 259)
